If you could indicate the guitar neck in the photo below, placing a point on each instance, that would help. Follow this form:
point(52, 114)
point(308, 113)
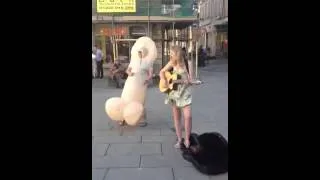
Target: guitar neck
point(182, 81)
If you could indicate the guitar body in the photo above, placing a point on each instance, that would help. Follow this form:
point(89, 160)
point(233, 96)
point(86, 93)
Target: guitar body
point(171, 78)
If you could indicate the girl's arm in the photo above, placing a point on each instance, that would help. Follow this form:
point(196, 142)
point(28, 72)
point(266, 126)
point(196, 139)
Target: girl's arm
point(150, 73)
point(129, 71)
point(164, 69)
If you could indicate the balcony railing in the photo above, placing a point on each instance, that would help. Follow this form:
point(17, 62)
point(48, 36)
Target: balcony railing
point(214, 9)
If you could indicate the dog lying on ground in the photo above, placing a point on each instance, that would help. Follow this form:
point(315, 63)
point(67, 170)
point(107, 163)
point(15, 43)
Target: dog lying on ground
point(208, 153)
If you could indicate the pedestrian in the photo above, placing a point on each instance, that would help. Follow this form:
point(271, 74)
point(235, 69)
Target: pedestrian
point(201, 57)
point(180, 99)
point(94, 65)
point(99, 62)
point(225, 48)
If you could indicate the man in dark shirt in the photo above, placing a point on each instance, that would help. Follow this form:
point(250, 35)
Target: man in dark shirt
point(116, 73)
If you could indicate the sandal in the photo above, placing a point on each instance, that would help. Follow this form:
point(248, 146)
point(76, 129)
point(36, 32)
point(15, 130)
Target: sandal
point(179, 144)
point(122, 123)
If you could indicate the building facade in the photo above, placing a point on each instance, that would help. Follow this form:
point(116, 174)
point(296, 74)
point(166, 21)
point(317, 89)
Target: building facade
point(162, 20)
point(213, 20)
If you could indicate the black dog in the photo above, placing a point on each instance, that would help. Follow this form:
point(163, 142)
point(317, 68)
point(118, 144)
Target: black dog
point(208, 153)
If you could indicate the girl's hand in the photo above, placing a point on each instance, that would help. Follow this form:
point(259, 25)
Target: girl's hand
point(130, 73)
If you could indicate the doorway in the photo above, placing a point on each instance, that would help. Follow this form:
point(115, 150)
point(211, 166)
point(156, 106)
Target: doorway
point(123, 49)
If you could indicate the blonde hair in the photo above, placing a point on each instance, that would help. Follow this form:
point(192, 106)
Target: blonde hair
point(177, 51)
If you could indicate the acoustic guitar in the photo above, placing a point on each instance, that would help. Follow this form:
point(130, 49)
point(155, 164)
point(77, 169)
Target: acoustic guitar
point(173, 80)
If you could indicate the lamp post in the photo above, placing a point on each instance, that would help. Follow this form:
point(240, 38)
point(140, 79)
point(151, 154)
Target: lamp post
point(173, 15)
point(149, 18)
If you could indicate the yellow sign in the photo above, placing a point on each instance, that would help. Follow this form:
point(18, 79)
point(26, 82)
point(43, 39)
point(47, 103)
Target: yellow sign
point(110, 6)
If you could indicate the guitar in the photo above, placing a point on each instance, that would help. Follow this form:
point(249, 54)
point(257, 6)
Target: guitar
point(173, 80)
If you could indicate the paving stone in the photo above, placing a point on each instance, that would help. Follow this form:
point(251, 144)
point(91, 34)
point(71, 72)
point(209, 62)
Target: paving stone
point(103, 125)
point(139, 174)
point(205, 127)
point(167, 132)
point(220, 177)
point(98, 174)
point(134, 149)
point(157, 124)
point(99, 149)
point(113, 132)
point(163, 161)
point(116, 161)
point(158, 139)
point(170, 132)
point(118, 139)
point(169, 149)
point(188, 173)
point(141, 132)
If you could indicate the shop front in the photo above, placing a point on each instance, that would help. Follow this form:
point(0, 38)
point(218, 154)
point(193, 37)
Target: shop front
point(106, 37)
point(222, 40)
point(116, 40)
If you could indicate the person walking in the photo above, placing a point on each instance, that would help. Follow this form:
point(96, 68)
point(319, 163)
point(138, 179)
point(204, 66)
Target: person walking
point(94, 66)
point(99, 62)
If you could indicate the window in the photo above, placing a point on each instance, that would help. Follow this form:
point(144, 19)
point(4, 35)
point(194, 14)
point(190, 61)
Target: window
point(226, 8)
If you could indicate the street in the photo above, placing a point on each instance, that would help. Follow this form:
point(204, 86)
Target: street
point(134, 153)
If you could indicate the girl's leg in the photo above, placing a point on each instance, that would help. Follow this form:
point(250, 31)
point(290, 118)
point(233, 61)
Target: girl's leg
point(188, 124)
point(122, 123)
point(176, 118)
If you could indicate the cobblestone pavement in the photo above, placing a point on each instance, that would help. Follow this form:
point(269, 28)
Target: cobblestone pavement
point(148, 153)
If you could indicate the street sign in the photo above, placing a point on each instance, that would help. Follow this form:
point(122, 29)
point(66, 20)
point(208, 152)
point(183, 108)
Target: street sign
point(110, 6)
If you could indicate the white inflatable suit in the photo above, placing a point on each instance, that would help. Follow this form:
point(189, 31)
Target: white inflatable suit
point(130, 107)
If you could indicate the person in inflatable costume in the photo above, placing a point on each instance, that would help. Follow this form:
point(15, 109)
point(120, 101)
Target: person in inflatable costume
point(129, 108)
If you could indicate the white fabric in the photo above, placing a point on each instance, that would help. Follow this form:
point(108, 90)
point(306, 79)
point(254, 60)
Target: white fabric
point(134, 90)
point(94, 65)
